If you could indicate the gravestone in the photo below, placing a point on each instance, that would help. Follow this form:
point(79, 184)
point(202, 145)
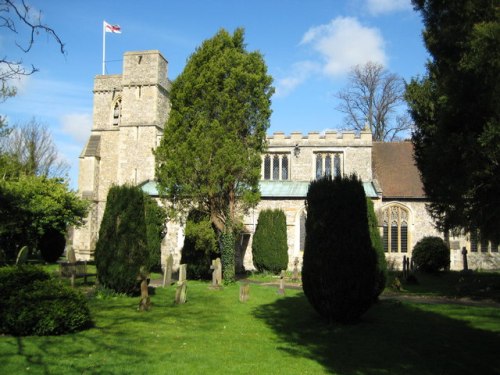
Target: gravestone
point(464, 256)
point(167, 272)
point(281, 289)
point(216, 273)
point(244, 292)
point(182, 273)
point(181, 293)
point(295, 274)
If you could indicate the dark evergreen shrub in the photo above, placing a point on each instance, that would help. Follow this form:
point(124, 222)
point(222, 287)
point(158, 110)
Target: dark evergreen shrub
point(269, 245)
point(200, 246)
point(121, 252)
point(34, 304)
point(378, 246)
point(155, 221)
point(431, 254)
point(51, 245)
point(339, 265)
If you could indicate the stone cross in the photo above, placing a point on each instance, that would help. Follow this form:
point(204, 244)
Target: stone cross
point(182, 273)
point(244, 292)
point(216, 273)
point(181, 293)
point(281, 289)
point(464, 255)
point(167, 273)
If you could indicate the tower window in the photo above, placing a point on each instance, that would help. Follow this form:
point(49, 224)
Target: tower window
point(117, 112)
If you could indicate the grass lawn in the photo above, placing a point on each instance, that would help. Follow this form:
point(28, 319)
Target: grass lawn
point(270, 334)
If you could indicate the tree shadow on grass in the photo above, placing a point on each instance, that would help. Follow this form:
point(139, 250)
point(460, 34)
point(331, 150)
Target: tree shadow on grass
point(121, 340)
point(392, 338)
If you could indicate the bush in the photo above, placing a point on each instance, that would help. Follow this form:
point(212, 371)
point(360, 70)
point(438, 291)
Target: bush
point(431, 254)
point(269, 245)
point(121, 253)
point(339, 266)
point(51, 245)
point(200, 246)
point(378, 246)
point(34, 304)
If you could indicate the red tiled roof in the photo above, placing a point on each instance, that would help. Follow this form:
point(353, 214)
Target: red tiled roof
point(395, 169)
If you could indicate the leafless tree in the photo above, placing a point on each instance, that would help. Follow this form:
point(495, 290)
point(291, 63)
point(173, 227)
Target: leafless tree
point(16, 16)
point(372, 99)
point(32, 147)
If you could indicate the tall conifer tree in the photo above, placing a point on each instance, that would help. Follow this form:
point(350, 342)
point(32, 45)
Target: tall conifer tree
point(209, 157)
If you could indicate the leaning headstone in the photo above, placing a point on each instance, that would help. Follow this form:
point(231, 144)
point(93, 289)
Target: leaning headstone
point(281, 289)
point(22, 256)
point(464, 256)
point(167, 273)
point(182, 273)
point(181, 293)
point(216, 273)
point(244, 292)
point(405, 269)
point(145, 302)
point(295, 274)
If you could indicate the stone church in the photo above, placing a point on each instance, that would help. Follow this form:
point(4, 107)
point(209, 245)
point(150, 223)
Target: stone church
point(129, 114)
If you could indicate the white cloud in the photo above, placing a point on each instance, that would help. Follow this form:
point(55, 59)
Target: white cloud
point(300, 72)
point(378, 7)
point(344, 43)
point(77, 125)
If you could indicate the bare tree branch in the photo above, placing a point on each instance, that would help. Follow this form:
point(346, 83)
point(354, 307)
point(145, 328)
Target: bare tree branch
point(372, 99)
point(32, 146)
point(14, 16)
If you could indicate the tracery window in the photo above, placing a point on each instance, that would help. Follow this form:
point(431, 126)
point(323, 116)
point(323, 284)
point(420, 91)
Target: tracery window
point(328, 164)
point(117, 112)
point(276, 167)
point(395, 229)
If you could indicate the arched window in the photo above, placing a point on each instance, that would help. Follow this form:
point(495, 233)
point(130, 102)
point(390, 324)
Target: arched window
point(328, 165)
point(267, 167)
point(319, 166)
point(117, 112)
point(276, 167)
point(284, 168)
point(336, 165)
point(395, 229)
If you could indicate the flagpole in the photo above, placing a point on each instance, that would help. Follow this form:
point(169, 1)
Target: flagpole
point(103, 48)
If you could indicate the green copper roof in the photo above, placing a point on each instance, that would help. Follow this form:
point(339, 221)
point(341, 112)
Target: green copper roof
point(273, 189)
point(298, 189)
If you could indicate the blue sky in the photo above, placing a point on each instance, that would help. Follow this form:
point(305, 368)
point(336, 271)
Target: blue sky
point(308, 47)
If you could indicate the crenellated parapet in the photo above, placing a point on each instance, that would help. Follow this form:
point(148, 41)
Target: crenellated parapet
point(325, 139)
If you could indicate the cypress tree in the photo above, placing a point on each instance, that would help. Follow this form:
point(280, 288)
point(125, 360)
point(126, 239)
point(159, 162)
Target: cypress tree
point(339, 265)
point(269, 245)
point(155, 220)
point(121, 253)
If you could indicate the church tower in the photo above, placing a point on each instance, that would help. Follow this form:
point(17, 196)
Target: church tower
point(129, 114)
